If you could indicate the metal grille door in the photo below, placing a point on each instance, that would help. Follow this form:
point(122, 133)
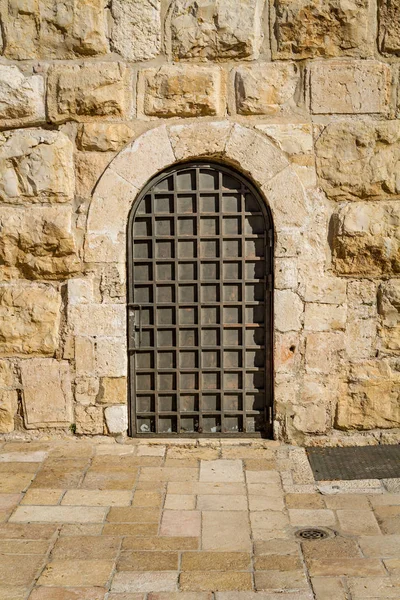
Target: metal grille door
point(199, 305)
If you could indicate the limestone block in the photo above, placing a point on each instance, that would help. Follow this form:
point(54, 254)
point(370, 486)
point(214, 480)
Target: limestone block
point(286, 275)
point(355, 87)
point(360, 337)
point(311, 418)
point(181, 91)
point(89, 167)
point(373, 398)
point(267, 89)
point(21, 98)
point(389, 309)
point(358, 159)
point(29, 319)
point(288, 350)
point(329, 290)
point(103, 137)
point(86, 390)
point(7, 377)
point(291, 138)
point(113, 390)
point(97, 319)
point(287, 198)
point(328, 28)
point(89, 420)
point(84, 356)
point(288, 311)
point(88, 92)
point(47, 394)
point(37, 242)
point(8, 408)
point(216, 29)
point(366, 239)
point(80, 290)
point(324, 351)
point(101, 248)
point(111, 356)
point(324, 317)
point(117, 418)
point(113, 283)
point(136, 32)
point(47, 29)
point(35, 166)
point(199, 139)
point(389, 26)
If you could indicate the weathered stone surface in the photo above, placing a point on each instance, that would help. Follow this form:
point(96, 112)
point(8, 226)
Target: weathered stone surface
point(358, 159)
point(47, 394)
point(29, 319)
point(136, 32)
point(267, 88)
point(216, 29)
point(103, 137)
point(89, 167)
point(117, 418)
point(291, 138)
point(88, 92)
point(89, 419)
point(182, 90)
point(44, 29)
point(323, 317)
point(288, 311)
point(97, 319)
point(37, 242)
point(389, 26)
point(309, 28)
point(199, 139)
point(86, 389)
point(366, 239)
point(113, 390)
point(373, 398)
point(35, 166)
point(354, 87)
point(8, 408)
point(21, 98)
point(389, 309)
point(324, 351)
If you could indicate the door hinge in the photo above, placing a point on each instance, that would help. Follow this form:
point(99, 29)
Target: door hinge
point(271, 237)
point(270, 416)
point(270, 282)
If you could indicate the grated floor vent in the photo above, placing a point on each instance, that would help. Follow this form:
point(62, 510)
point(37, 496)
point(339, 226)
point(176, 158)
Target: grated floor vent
point(313, 533)
point(365, 462)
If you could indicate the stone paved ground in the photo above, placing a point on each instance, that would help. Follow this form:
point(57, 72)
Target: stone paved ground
point(97, 520)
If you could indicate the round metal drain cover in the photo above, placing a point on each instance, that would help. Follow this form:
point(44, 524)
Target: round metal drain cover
point(314, 533)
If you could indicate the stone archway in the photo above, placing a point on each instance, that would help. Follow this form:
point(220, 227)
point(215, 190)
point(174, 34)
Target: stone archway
point(251, 153)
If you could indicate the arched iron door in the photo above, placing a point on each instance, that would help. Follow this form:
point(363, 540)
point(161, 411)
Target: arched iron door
point(199, 305)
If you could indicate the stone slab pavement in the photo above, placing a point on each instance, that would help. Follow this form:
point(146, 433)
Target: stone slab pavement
point(189, 520)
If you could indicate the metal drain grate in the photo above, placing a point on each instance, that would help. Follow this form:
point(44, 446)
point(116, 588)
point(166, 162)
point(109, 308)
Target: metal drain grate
point(314, 534)
point(366, 462)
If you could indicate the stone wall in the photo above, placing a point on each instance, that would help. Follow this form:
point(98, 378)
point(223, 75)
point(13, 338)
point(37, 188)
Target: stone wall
point(303, 96)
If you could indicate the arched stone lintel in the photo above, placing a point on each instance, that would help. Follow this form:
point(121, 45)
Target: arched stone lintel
point(242, 147)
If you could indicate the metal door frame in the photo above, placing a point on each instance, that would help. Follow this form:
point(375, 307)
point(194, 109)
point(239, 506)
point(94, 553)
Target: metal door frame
point(269, 305)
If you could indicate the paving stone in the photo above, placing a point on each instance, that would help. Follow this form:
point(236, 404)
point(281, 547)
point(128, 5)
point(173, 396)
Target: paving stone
point(215, 561)
point(280, 580)
point(14, 467)
point(313, 517)
point(15, 484)
point(277, 562)
point(35, 457)
point(305, 501)
point(215, 581)
point(108, 481)
point(181, 523)
point(207, 489)
point(257, 503)
point(130, 529)
point(221, 471)
point(42, 497)
point(358, 522)
point(147, 561)
point(328, 588)
point(146, 450)
point(263, 596)
point(380, 546)
point(160, 543)
point(377, 588)
point(86, 548)
point(168, 474)
point(96, 498)
point(24, 546)
point(259, 464)
point(265, 525)
point(161, 581)
point(181, 596)
point(58, 514)
point(265, 489)
point(263, 477)
point(9, 500)
point(146, 499)
point(25, 531)
point(388, 518)
point(384, 500)
point(276, 546)
point(184, 502)
point(221, 502)
point(233, 531)
point(72, 593)
point(81, 572)
point(392, 565)
point(11, 592)
point(78, 529)
point(334, 548)
point(126, 596)
point(354, 567)
point(15, 571)
point(132, 514)
point(348, 501)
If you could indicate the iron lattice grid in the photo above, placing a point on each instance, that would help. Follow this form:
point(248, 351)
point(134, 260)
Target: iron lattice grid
point(200, 305)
